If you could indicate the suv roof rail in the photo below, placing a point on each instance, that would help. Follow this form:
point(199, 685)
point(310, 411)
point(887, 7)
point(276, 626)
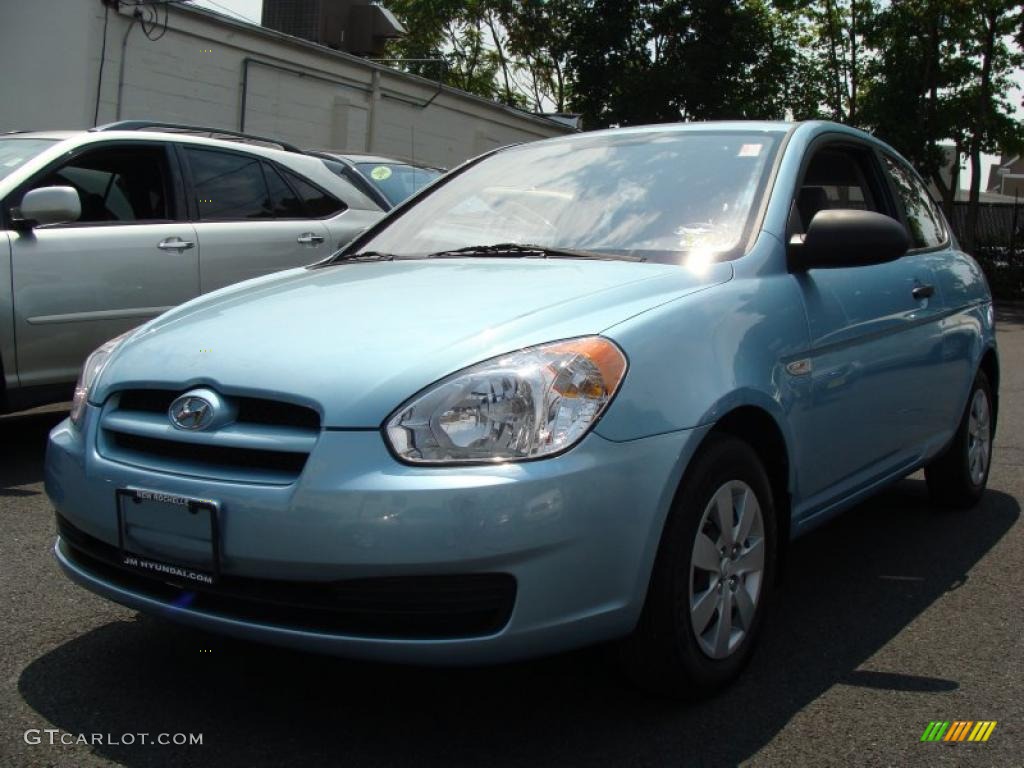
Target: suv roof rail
point(213, 133)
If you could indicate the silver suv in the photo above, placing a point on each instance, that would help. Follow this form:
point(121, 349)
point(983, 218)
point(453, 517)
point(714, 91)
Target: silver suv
point(106, 228)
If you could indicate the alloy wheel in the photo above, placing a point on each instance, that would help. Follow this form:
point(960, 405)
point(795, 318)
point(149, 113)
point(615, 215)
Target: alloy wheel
point(979, 437)
point(727, 569)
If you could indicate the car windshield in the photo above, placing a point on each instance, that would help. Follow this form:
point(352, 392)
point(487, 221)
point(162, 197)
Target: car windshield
point(397, 181)
point(652, 195)
point(15, 152)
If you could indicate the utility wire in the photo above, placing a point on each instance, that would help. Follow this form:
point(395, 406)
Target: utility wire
point(154, 22)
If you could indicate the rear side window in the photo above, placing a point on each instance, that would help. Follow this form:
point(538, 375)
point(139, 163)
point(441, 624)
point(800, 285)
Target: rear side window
point(317, 203)
point(923, 217)
point(228, 186)
point(122, 184)
point(284, 200)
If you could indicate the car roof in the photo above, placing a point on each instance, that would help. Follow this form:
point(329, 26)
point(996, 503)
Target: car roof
point(713, 126)
point(82, 137)
point(780, 126)
point(188, 138)
point(361, 157)
point(55, 135)
point(808, 128)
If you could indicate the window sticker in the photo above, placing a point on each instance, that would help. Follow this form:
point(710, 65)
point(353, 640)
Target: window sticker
point(380, 173)
point(750, 150)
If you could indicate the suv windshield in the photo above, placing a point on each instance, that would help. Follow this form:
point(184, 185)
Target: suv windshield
point(644, 194)
point(397, 181)
point(15, 152)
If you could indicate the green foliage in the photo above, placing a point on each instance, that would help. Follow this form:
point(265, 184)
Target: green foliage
point(455, 33)
point(932, 77)
point(920, 73)
point(641, 62)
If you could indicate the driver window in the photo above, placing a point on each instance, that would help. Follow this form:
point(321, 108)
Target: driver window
point(834, 179)
point(117, 185)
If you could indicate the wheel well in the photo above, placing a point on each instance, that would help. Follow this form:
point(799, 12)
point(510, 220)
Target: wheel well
point(758, 429)
point(990, 365)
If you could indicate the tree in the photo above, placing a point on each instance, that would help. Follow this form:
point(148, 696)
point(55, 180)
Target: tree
point(640, 62)
point(538, 49)
point(455, 33)
point(831, 61)
point(917, 82)
point(992, 126)
point(921, 73)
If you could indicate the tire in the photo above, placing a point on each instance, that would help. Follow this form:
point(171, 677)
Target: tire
point(665, 654)
point(957, 477)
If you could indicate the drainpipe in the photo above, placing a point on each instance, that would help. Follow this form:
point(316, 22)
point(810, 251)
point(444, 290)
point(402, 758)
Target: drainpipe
point(371, 122)
point(120, 74)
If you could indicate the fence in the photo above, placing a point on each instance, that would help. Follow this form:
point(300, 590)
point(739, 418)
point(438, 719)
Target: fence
point(999, 244)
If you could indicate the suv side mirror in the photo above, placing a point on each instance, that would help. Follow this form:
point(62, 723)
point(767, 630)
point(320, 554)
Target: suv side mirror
point(847, 238)
point(50, 205)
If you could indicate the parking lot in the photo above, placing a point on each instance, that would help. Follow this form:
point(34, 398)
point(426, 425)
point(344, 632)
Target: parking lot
point(895, 615)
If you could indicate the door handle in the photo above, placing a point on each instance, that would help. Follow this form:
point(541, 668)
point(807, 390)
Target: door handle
point(175, 244)
point(309, 238)
point(923, 291)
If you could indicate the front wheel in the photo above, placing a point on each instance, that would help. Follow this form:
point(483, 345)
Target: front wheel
point(957, 478)
point(712, 576)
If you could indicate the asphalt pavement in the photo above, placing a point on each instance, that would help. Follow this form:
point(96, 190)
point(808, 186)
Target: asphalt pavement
point(894, 615)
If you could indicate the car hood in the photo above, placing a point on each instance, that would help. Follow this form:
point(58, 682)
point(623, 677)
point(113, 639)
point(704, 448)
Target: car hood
point(356, 340)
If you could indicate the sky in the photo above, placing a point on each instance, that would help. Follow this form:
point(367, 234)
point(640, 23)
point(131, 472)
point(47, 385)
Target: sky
point(250, 10)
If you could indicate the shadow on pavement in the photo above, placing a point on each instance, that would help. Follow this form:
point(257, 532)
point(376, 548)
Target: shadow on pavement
point(22, 445)
point(851, 587)
point(1010, 312)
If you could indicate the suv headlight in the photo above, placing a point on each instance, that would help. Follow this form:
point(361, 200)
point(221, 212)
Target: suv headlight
point(524, 405)
point(94, 365)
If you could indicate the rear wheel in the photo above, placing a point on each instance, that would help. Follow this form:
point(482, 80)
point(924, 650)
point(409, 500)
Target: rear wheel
point(957, 478)
point(712, 576)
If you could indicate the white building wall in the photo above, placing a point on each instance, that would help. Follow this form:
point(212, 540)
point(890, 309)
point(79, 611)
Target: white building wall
point(197, 73)
point(49, 51)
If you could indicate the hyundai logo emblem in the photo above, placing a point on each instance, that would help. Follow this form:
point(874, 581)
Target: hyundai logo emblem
point(191, 412)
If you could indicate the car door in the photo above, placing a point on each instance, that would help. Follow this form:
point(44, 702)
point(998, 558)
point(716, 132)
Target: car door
point(251, 216)
point(130, 256)
point(951, 371)
point(874, 340)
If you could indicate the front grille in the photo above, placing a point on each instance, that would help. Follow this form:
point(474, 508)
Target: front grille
point(269, 441)
point(401, 607)
point(251, 410)
point(213, 458)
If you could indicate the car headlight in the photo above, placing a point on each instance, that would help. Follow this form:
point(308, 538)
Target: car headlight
point(524, 405)
point(94, 365)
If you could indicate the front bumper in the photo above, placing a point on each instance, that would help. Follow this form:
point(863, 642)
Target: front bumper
point(577, 533)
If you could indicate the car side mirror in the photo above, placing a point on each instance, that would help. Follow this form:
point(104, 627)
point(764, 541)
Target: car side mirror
point(49, 205)
point(847, 238)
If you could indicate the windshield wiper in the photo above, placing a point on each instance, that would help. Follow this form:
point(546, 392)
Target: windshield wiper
point(364, 256)
point(530, 250)
point(501, 250)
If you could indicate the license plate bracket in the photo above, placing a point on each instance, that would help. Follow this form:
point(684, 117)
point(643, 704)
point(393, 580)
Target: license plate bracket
point(170, 537)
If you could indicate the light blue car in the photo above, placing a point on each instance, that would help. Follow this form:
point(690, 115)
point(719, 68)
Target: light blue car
point(579, 390)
